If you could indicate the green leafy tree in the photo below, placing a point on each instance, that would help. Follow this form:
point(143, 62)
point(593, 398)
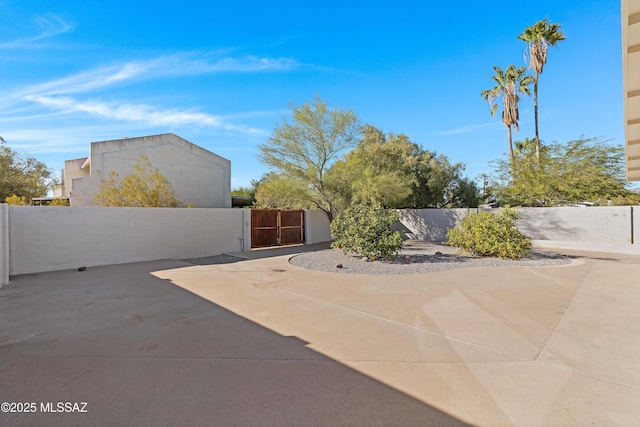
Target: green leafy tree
point(538, 38)
point(367, 230)
point(393, 171)
point(379, 170)
point(280, 191)
point(146, 187)
point(491, 234)
point(243, 192)
point(462, 193)
point(581, 170)
point(508, 84)
point(22, 175)
point(249, 192)
point(305, 148)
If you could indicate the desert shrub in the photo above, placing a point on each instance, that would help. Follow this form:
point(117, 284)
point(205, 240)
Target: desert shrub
point(59, 202)
point(146, 187)
point(489, 234)
point(16, 200)
point(366, 230)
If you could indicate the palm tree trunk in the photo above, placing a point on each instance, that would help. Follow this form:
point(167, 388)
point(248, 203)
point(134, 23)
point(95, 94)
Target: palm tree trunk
point(535, 115)
point(511, 155)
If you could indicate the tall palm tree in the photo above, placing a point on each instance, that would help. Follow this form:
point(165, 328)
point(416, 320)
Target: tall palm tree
point(539, 37)
point(508, 84)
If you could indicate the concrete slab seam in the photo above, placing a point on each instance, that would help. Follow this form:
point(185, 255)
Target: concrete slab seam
point(403, 325)
point(569, 307)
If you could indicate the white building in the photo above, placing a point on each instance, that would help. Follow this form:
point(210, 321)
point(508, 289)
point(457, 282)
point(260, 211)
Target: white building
point(631, 74)
point(198, 177)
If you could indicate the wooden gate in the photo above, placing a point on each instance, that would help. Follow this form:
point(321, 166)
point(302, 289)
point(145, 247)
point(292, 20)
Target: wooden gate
point(271, 227)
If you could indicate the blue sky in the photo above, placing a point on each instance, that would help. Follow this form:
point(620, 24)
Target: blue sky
point(222, 74)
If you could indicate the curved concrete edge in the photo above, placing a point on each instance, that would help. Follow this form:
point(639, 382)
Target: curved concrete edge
point(618, 248)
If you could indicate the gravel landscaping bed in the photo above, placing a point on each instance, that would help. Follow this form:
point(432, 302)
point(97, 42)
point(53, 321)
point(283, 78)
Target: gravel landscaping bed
point(416, 257)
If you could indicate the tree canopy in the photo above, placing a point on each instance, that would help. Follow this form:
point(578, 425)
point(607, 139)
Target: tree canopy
point(22, 176)
point(508, 84)
point(278, 190)
point(146, 187)
point(395, 172)
point(582, 170)
point(248, 192)
point(305, 148)
point(385, 169)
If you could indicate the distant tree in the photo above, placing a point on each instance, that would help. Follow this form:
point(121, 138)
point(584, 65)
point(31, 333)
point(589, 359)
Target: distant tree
point(146, 187)
point(59, 202)
point(462, 192)
point(304, 149)
point(249, 191)
point(22, 176)
point(243, 191)
point(583, 170)
point(378, 171)
point(508, 84)
point(279, 191)
point(538, 38)
point(394, 172)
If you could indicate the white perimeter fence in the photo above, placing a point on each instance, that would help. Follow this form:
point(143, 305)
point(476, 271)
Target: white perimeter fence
point(39, 239)
point(612, 225)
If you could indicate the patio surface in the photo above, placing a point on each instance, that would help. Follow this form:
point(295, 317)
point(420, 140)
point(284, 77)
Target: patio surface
point(263, 343)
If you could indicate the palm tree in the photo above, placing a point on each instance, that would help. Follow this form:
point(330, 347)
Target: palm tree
point(509, 84)
point(539, 37)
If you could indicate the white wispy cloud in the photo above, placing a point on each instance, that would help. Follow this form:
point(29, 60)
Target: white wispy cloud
point(55, 139)
point(87, 81)
point(147, 114)
point(79, 94)
point(51, 25)
point(470, 128)
point(162, 67)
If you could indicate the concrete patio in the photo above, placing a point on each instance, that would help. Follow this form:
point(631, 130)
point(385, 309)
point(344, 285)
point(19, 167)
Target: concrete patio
point(263, 343)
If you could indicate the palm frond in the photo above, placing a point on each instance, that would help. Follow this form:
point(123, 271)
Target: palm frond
point(539, 37)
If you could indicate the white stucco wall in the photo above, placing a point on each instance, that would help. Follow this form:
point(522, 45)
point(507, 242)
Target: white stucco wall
point(37, 239)
point(429, 224)
point(72, 170)
point(4, 244)
point(198, 177)
point(589, 224)
point(58, 238)
point(316, 227)
point(636, 225)
point(570, 224)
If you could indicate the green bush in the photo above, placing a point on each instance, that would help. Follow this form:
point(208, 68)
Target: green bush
point(366, 230)
point(489, 234)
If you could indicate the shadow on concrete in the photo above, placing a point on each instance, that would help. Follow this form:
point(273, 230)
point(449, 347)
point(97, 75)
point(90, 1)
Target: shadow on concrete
point(429, 224)
point(549, 226)
point(142, 351)
point(260, 253)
